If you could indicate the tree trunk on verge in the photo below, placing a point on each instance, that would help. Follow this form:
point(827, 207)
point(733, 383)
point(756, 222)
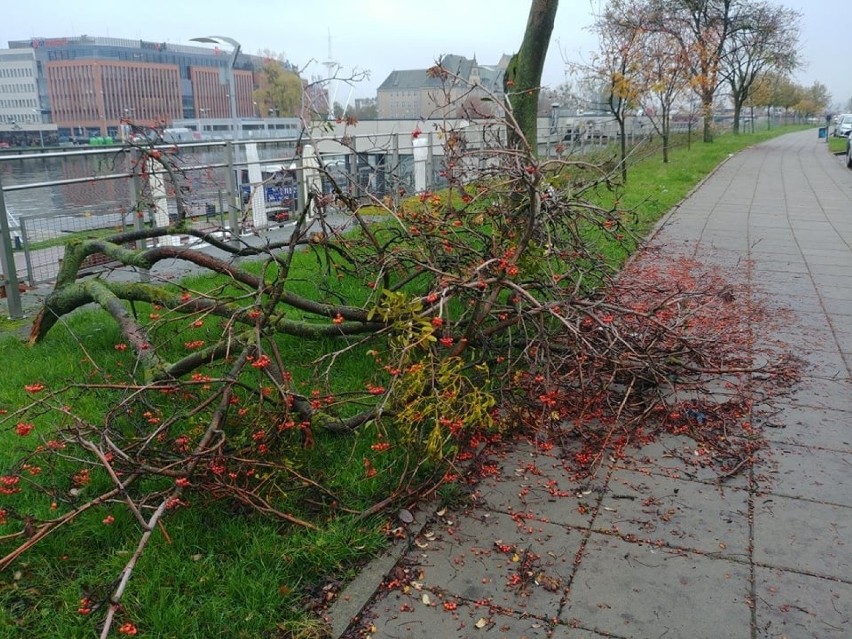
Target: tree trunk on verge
point(523, 76)
point(738, 110)
point(707, 114)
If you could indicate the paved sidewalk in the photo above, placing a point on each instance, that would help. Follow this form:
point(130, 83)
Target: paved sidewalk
point(653, 549)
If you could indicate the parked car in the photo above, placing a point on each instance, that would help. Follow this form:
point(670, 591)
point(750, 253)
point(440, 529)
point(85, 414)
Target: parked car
point(849, 151)
point(844, 126)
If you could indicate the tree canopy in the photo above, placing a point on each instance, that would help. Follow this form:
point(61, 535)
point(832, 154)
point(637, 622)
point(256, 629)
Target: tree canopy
point(280, 89)
point(703, 43)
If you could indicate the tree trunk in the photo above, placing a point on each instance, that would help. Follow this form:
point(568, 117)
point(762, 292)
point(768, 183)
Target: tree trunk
point(738, 110)
point(707, 114)
point(522, 80)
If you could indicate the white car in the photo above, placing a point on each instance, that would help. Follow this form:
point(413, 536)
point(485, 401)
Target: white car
point(849, 151)
point(844, 126)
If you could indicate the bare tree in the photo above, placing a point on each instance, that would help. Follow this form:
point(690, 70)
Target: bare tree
point(617, 66)
point(765, 37)
point(666, 79)
point(813, 100)
point(702, 29)
point(660, 69)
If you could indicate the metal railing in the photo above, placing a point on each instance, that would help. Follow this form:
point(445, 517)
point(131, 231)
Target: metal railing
point(217, 188)
point(100, 192)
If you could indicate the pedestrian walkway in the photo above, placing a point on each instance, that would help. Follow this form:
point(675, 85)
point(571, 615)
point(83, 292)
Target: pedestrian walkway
point(651, 548)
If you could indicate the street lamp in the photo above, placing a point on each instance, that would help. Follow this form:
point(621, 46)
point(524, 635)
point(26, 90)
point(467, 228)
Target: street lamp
point(40, 132)
point(231, 81)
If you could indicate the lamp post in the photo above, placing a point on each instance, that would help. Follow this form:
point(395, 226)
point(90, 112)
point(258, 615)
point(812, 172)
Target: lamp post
point(232, 85)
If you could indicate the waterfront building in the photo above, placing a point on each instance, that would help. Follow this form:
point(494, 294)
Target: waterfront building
point(91, 86)
point(417, 93)
point(21, 115)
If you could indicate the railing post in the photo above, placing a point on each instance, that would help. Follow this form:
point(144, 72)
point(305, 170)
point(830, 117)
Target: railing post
point(25, 244)
point(221, 209)
point(233, 193)
point(309, 180)
point(430, 161)
point(137, 205)
point(354, 178)
point(395, 181)
point(7, 260)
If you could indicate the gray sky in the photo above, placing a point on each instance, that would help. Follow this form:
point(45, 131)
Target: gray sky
point(383, 35)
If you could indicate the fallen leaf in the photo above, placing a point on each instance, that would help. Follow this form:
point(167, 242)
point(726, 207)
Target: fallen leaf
point(548, 583)
point(426, 599)
point(481, 623)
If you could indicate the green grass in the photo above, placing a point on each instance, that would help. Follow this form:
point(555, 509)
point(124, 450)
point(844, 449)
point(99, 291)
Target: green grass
point(222, 571)
point(836, 145)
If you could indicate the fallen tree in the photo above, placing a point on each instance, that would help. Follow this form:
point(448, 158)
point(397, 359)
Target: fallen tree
point(428, 321)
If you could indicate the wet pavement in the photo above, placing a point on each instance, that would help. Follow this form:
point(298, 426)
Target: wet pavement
point(652, 546)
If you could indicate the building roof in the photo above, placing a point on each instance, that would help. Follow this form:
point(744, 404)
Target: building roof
point(490, 76)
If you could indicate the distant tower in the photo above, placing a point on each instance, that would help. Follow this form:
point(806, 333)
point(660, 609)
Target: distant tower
point(331, 66)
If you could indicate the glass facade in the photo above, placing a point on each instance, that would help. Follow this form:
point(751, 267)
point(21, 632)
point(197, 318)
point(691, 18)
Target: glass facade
point(90, 83)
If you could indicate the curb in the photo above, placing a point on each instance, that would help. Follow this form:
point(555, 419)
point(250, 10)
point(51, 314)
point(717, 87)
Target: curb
point(350, 602)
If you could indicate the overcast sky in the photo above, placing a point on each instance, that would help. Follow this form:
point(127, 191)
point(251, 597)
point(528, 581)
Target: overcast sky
point(383, 35)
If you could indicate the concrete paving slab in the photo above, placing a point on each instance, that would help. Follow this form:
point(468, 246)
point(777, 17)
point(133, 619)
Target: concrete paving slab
point(775, 250)
point(787, 423)
point(810, 473)
point(800, 336)
point(780, 266)
point(840, 308)
point(839, 258)
point(794, 605)
point(682, 514)
point(844, 343)
point(512, 562)
point(527, 481)
point(795, 306)
point(824, 394)
point(843, 293)
point(826, 274)
point(562, 631)
point(642, 591)
point(406, 616)
point(803, 536)
point(824, 362)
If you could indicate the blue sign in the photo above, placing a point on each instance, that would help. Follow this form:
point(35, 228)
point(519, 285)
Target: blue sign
point(277, 194)
point(272, 194)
